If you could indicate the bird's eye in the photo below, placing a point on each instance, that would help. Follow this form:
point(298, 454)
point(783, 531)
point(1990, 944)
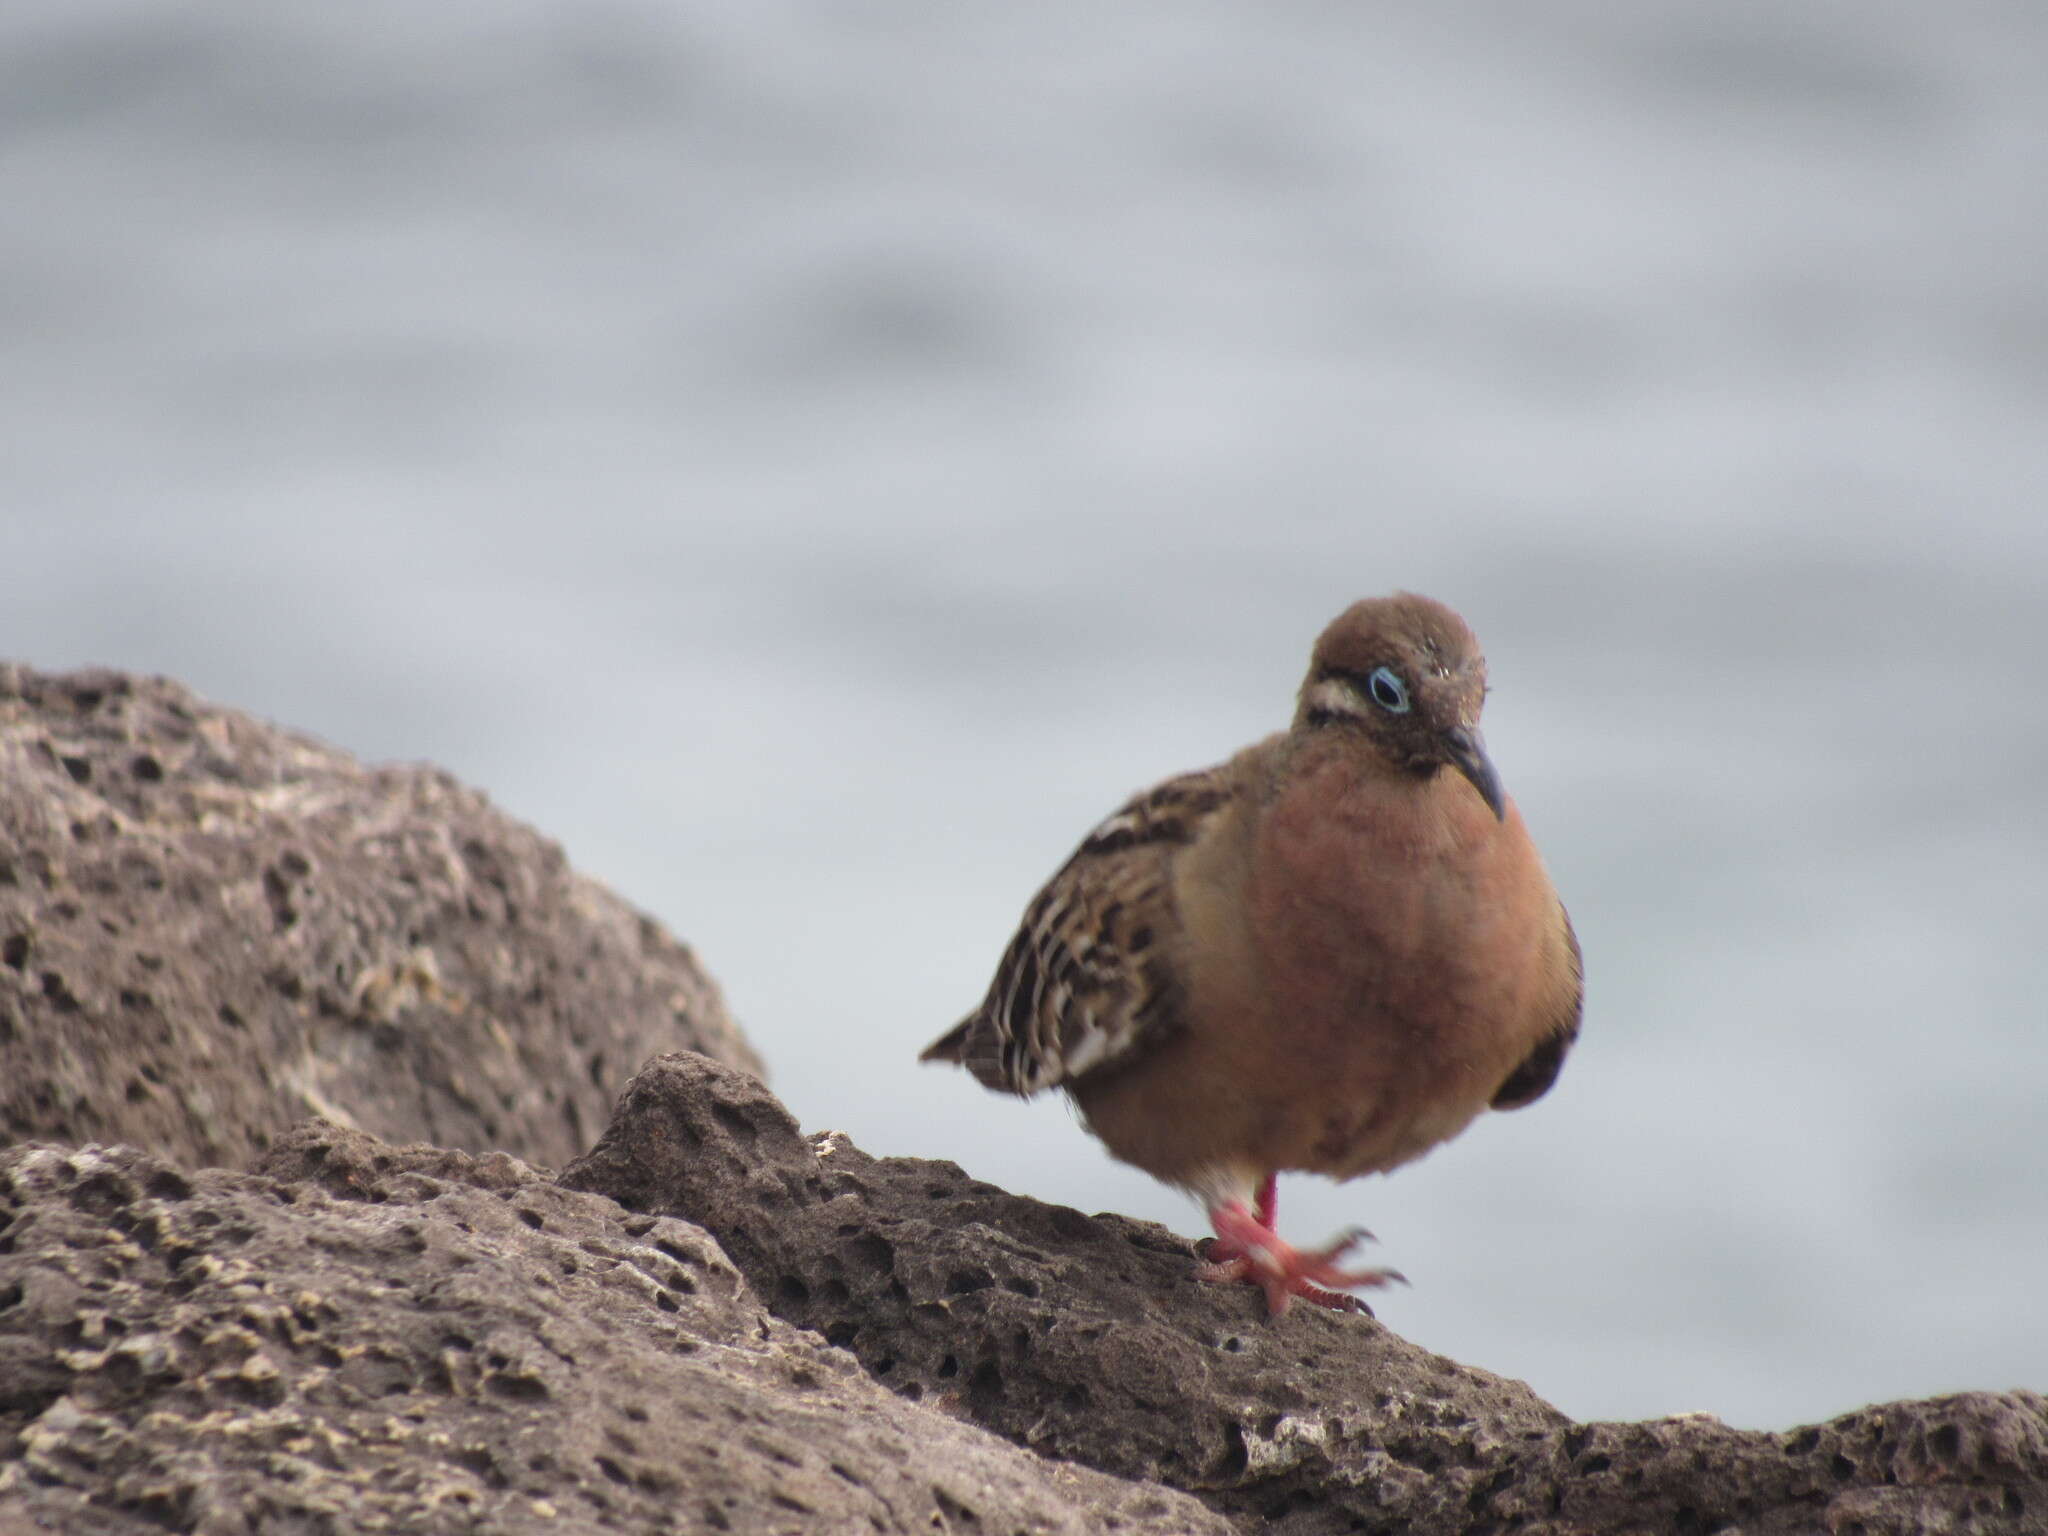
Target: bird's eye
point(1388, 691)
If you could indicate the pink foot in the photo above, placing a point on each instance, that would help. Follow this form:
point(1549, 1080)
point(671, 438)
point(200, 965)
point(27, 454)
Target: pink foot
point(1248, 1251)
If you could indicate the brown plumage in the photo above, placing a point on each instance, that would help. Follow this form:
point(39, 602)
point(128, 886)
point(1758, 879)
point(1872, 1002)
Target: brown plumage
point(1327, 954)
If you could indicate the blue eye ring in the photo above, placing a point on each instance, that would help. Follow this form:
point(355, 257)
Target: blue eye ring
point(1388, 691)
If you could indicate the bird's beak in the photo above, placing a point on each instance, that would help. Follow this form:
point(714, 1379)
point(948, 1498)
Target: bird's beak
point(1468, 756)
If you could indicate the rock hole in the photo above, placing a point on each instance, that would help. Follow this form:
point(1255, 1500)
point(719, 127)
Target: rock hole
point(533, 1219)
point(963, 1282)
point(873, 1251)
point(1021, 1285)
point(949, 1366)
point(147, 769)
point(521, 1388)
point(278, 892)
point(1280, 1509)
point(1237, 1456)
point(1596, 1463)
point(1947, 1441)
point(842, 1334)
point(229, 1017)
point(484, 1465)
point(101, 1193)
point(79, 769)
point(1842, 1467)
point(846, 1475)
point(986, 1384)
point(614, 1471)
point(792, 1292)
point(1803, 1442)
point(736, 1123)
point(15, 950)
point(952, 1510)
point(884, 1366)
point(835, 1293)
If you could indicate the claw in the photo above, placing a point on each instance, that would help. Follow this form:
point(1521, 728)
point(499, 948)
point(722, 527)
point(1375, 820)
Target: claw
point(1347, 1240)
point(1247, 1251)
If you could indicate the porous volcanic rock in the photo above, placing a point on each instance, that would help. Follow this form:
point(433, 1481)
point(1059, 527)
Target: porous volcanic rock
point(1085, 1338)
point(416, 1340)
point(211, 928)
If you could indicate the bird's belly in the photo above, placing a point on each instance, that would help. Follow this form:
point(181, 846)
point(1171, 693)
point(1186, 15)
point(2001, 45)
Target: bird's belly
point(1377, 1072)
point(1331, 1078)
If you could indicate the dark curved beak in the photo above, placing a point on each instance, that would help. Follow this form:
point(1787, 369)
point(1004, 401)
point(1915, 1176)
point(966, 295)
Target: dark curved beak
point(1468, 755)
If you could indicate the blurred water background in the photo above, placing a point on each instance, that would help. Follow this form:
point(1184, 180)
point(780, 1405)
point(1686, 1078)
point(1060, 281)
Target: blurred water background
point(814, 460)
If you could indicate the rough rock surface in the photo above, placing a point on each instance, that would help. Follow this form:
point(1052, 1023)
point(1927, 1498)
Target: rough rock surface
point(211, 928)
point(1084, 1338)
point(423, 1341)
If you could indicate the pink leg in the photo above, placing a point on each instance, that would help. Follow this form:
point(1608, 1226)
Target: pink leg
point(1247, 1250)
point(1267, 1205)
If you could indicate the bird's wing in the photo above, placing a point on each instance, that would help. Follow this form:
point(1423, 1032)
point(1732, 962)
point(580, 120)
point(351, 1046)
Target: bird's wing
point(1090, 974)
point(1539, 1069)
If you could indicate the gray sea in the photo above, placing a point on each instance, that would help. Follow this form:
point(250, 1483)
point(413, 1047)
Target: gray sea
point(814, 460)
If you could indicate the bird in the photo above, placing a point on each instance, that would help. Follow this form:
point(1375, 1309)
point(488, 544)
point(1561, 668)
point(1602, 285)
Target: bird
point(1328, 954)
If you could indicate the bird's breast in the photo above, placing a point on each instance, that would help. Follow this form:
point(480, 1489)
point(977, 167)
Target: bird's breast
point(1398, 933)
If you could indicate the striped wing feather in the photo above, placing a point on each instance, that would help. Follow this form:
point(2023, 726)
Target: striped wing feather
point(1088, 977)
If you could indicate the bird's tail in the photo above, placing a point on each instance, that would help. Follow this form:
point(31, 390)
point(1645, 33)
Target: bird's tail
point(951, 1046)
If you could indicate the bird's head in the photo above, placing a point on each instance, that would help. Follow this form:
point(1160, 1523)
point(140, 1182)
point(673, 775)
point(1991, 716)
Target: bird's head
point(1407, 673)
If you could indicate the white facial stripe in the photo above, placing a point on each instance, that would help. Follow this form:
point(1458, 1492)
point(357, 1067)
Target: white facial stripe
point(1336, 696)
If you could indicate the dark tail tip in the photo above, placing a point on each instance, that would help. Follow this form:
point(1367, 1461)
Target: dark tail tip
point(951, 1046)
